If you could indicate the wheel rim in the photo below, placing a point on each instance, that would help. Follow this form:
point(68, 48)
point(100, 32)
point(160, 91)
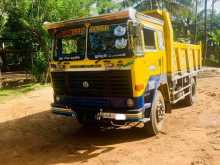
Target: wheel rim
point(160, 112)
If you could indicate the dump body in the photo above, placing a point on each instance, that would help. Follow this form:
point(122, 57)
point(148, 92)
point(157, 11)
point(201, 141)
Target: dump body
point(187, 58)
point(112, 66)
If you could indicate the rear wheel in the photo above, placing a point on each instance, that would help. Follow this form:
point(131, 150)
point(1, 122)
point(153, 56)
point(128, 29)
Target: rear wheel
point(157, 115)
point(190, 99)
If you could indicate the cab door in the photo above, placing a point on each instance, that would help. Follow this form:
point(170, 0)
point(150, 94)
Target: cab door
point(161, 50)
point(153, 56)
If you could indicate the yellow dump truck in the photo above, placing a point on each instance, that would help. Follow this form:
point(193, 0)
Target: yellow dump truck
point(121, 67)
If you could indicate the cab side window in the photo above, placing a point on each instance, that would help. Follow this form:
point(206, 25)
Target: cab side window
point(149, 39)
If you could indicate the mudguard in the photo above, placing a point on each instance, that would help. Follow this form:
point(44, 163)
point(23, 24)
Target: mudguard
point(154, 83)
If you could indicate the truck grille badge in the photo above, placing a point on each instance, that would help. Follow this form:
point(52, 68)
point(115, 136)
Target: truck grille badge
point(85, 84)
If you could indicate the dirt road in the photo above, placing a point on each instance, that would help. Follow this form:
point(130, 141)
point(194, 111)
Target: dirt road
point(30, 134)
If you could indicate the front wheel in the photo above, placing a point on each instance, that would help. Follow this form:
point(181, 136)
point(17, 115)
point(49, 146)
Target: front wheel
point(157, 115)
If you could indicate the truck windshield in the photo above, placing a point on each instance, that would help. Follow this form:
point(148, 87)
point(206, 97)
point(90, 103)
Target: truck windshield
point(108, 41)
point(103, 41)
point(71, 44)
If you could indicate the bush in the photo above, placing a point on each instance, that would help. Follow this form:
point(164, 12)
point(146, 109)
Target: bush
point(40, 65)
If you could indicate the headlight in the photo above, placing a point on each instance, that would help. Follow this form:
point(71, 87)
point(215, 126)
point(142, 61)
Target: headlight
point(121, 43)
point(130, 102)
point(119, 31)
point(57, 98)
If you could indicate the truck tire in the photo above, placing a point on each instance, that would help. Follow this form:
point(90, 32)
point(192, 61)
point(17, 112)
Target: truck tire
point(190, 99)
point(157, 115)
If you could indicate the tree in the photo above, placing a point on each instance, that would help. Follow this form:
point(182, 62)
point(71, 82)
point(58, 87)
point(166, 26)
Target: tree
point(212, 13)
point(23, 20)
point(106, 6)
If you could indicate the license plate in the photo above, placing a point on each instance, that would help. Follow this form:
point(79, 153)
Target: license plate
point(108, 115)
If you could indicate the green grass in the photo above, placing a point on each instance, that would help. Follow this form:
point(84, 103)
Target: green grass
point(9, 93)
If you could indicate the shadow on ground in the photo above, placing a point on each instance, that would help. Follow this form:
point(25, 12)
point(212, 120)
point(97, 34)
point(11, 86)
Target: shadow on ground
point(44, 138)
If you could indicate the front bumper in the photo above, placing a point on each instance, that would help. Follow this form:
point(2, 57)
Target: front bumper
point(134, 115)
point(63, 111)
point(121, 116)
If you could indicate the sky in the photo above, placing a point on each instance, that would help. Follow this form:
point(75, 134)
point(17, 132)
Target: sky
point(217, 5)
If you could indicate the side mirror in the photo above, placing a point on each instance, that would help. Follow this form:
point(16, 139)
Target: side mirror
point(135, 30)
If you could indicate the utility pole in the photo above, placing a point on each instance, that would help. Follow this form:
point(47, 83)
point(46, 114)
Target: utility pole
point(196, 13)
point(205, 32)
point(1, 62)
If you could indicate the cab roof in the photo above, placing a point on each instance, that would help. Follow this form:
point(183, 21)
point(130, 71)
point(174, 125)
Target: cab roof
point(129, 14)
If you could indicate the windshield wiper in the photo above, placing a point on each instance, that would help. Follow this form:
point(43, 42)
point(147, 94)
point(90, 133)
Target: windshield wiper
point(97, 61)
point(105, 61)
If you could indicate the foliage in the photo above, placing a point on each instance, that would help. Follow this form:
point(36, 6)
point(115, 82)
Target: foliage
point(40, 66)
point(215, 37)
point(23, 20)
point(105, 6)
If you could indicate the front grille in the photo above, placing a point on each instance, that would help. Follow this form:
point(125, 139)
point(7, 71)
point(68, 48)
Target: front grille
point(101, 83)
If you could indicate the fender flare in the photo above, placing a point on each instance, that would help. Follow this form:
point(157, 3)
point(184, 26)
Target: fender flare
point(155, 83)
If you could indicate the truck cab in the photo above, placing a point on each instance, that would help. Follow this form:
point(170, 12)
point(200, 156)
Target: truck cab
point(116, 67)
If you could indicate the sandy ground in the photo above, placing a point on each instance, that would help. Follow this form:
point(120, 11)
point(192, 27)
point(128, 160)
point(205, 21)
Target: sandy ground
point(30, 134)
